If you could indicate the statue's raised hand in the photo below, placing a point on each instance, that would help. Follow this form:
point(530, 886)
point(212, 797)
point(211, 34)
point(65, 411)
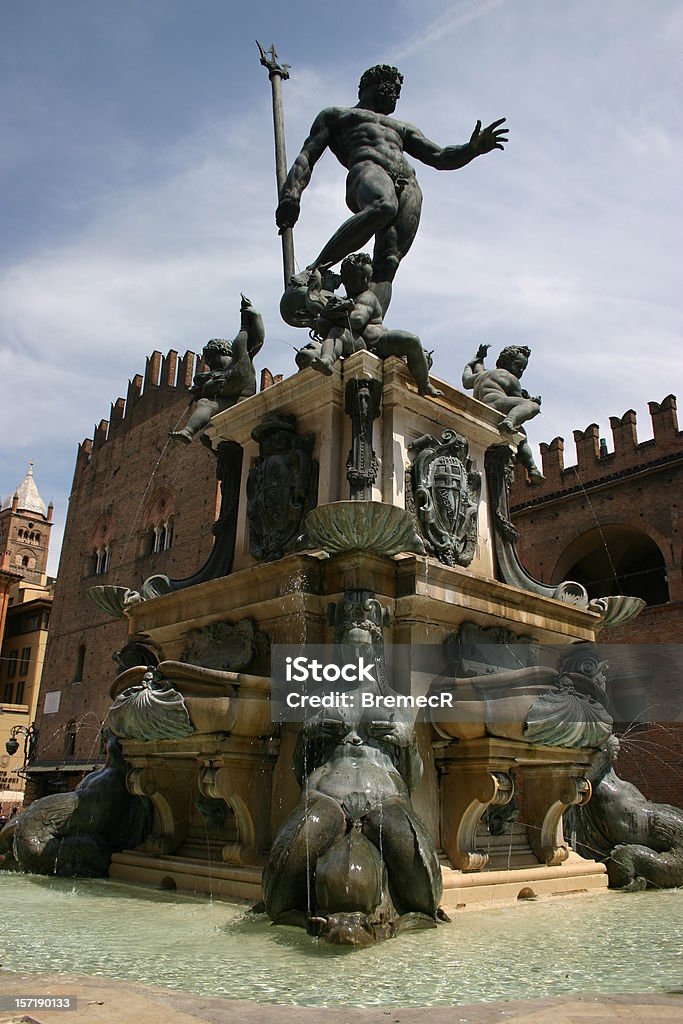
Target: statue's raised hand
point(483, 140)
point(395, 734)
point(287, 213)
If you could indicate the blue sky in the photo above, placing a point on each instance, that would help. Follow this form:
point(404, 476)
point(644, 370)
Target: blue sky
point(137, 195)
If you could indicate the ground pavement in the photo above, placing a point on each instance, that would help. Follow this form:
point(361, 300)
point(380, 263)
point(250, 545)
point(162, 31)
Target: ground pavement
point(106, 1001)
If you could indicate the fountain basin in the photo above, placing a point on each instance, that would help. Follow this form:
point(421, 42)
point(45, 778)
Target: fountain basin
point(604, 943)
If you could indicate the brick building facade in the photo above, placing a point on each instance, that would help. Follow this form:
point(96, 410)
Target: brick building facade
point(139, 505)
point(25, 526)
point(611, 523)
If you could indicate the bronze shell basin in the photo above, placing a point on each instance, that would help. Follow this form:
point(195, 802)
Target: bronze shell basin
point(363, 526)
point(535, 704)
point(227, 702)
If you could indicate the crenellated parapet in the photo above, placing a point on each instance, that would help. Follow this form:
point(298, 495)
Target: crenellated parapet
point(164, 375)
point(595, 463)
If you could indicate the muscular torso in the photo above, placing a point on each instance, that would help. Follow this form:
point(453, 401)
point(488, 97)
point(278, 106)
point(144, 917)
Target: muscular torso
point(358, 135)
point(362, 769)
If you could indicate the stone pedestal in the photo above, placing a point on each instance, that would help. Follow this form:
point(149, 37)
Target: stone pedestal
point(478, 774)
point(248, 768)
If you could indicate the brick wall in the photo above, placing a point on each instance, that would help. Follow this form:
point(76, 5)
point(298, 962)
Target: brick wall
point(124, 474)
point(619, 500)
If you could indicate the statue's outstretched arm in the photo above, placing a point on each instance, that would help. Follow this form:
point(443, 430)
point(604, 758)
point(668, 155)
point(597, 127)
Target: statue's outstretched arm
point(450, 158)
point(299, 175)
point(252, 333)
point(474, 367)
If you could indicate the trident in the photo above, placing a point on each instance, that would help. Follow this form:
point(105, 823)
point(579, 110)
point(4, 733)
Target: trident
point(277, 73)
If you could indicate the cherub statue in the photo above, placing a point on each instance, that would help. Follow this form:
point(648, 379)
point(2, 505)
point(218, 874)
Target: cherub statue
point(345, 326)
point(231, 375)
point(500, 388)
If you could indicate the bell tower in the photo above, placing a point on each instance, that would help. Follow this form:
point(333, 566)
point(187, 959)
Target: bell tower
point(25, 525)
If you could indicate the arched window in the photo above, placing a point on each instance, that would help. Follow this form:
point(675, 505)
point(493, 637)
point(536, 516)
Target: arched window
point(156, 534)
point(163, 535)
point(159, 533)
point(80, 664)
point(70, 738)
point(99, 546)
point(169, 533)
point(102, 559)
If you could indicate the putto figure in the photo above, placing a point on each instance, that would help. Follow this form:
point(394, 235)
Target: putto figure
point(231, 375)
point(345, 326)
point(500, 388)
point(381, 186)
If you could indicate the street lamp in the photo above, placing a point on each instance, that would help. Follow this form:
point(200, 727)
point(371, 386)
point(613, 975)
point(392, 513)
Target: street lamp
point(30, 734)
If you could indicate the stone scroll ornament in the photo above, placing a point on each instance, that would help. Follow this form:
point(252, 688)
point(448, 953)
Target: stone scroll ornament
point(353, 863)
point(499, 464)
point(281, 488)
point(363, 398)
point(446, 493)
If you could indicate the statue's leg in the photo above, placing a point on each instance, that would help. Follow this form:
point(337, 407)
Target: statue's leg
point(308, 832)
point(330, 351)
point(402, 343)
point(371, 194)
point(393, 241)
point(518, 411)
point(409, 854)
point(204, 410)
point(526, 457)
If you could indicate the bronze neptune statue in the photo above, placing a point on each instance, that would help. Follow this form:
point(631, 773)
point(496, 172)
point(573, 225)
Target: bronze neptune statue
point(381, 187)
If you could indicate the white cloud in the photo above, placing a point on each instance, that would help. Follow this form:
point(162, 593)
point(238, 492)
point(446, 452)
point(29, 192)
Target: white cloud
point(568, 241)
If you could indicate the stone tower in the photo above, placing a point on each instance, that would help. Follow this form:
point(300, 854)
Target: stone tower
point(25, 525)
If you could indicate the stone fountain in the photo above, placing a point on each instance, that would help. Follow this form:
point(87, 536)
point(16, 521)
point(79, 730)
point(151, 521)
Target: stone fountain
point(364, 511)
point(420, 559)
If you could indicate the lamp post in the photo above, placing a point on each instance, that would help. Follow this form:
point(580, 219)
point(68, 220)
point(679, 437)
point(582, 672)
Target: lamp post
point(30, 734)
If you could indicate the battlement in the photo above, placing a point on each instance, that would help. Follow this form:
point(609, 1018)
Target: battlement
point(163, 374)
point(595, 463)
